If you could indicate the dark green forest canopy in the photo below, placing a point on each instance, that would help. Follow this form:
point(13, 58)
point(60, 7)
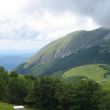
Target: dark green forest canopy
point(50, 93)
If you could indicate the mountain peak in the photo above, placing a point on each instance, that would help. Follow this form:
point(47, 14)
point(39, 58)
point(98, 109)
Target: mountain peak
point(75, 46)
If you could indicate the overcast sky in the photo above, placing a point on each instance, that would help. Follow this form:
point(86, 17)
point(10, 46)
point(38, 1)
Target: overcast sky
point(28, 25)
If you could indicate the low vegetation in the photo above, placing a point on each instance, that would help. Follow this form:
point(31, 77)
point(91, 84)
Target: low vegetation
point(5, 106)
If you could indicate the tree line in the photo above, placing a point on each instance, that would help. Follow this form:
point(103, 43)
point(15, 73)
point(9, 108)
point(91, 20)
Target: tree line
point(48, 93)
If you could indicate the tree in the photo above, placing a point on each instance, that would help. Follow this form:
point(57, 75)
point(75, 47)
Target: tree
point(105, 102)
point(17, 90)
point(3, 82)
point(46, 92)
point(14, 74)
point(87, 95)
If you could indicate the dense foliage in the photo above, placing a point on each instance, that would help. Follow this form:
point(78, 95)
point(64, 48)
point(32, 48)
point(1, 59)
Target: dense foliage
point(47, 93)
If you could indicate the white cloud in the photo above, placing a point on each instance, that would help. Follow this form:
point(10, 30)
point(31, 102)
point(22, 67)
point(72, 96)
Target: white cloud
point(15, 45)
point(11, 7)
point(25, 27)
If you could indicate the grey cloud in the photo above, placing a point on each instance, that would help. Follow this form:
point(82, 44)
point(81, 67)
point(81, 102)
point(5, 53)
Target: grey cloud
point(99, 10)
point(26, 34)
point(21, 34)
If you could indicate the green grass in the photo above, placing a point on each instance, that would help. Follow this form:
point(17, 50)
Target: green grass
point(5, 106)
point(93, 71)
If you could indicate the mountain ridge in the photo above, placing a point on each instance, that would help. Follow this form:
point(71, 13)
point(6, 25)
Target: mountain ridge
point(72, 47)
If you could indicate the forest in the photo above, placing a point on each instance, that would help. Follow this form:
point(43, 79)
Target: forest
point(50, 93)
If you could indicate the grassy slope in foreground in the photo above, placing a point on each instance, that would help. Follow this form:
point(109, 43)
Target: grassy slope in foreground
point(5, 106)
point(93, 71)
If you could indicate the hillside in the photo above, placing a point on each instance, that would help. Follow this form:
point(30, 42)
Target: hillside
point(93, 71)
point(97, 72)
point(75, 49)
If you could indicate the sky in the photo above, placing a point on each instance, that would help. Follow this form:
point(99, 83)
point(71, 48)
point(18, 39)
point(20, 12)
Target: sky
point(28, 25)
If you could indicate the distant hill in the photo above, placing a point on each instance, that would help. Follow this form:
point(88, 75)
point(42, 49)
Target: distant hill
point(10, 62)
point(75, 49)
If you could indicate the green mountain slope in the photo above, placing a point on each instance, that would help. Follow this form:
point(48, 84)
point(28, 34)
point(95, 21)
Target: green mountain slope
point(93, 71)
point(75, 49)
point(97, 72)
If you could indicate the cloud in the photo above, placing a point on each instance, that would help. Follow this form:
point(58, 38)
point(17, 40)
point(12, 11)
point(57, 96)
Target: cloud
point(11, 7)
point(26, 24)
point(98, 10)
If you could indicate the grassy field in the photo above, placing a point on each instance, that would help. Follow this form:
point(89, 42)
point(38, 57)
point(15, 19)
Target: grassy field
point(5, 106)
point(93, 71)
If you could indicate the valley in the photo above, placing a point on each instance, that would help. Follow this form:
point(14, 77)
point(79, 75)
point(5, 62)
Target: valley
point(54, 54)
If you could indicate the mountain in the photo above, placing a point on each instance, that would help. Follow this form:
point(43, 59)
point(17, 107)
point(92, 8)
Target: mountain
point(11, 61)
point(75, 49)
